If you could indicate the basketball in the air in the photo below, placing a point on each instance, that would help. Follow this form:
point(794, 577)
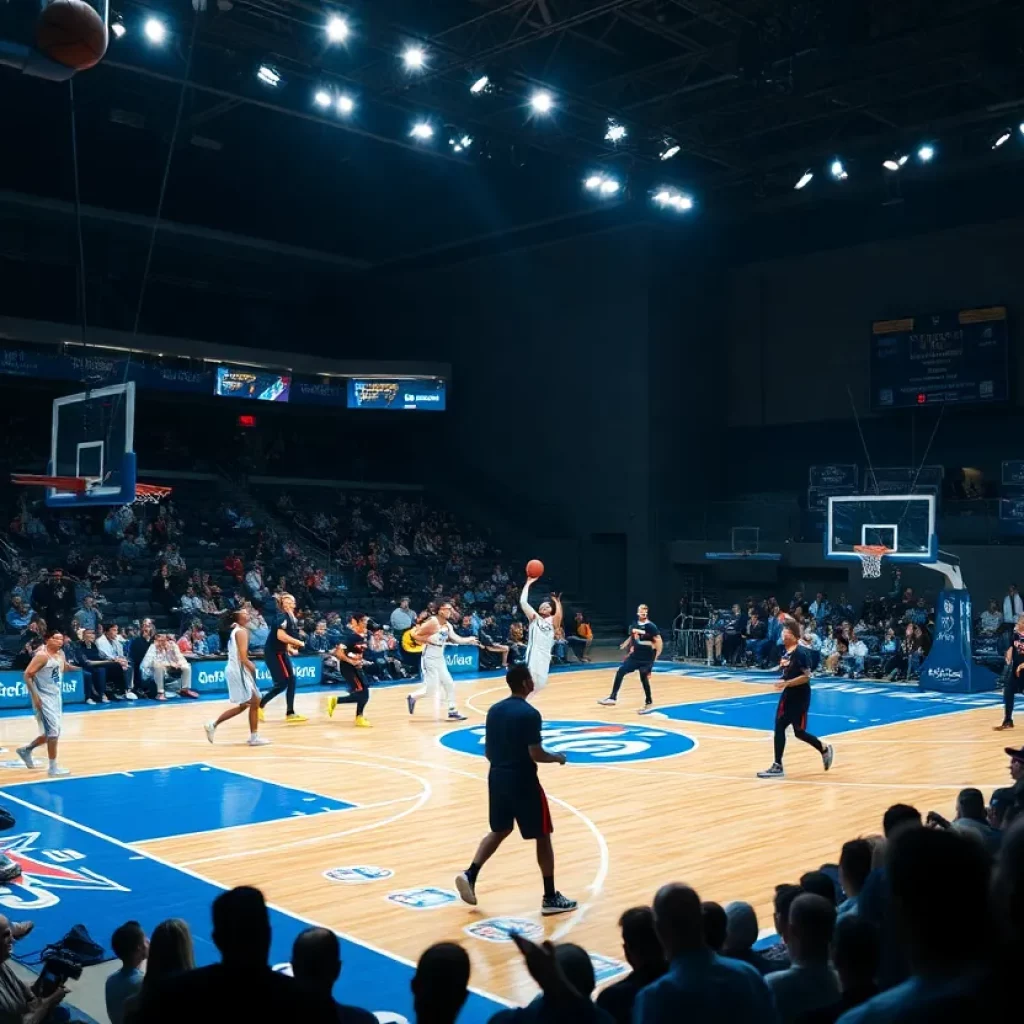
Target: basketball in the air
point(534, 568)
point(72, 33)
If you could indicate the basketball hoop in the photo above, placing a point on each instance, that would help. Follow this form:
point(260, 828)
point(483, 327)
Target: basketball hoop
point(81, 486)
point(150, 494)
point(871, 556)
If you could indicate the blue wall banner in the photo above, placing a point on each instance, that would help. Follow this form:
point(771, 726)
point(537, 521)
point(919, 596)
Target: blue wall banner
point(14, 692)
point(208, 676)
point(949, 666)
point(462, 658)
point(957, 357)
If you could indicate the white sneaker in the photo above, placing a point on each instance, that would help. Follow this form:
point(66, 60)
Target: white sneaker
point(172, 695)
point(211, 730)
point(608, 702)
point(89, 700)
point(26, 755)
point(55, 771)
point(131, 695)
point(258, 741)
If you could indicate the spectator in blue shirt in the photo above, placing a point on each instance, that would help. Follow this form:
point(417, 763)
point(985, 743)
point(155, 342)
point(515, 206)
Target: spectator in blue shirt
point(130, 946)
point(700, 987)
point(18, 615)
point(88, 616)
point(820, 608)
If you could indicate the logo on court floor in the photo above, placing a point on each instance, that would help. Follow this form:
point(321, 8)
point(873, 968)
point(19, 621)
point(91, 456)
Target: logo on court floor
point(588, 742)
point(43, 872)
point(501, 929)
point(358, 875)
point(606, 968)
point(424, 898)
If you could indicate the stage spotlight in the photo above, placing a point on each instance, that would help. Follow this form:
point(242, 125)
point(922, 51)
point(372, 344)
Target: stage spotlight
point(542, 102)
point(603, 185)
point(894, 163)
point(672, 199)
point(805, 179)
point(924, 153)
point(482, 84)
point(460, 142)
point(268, 76)
point(322, 98)
point(1020, 127)
point(422, 131)
point(1001, 139)
point(837, 170)
point(345, 104)
point(593, 182)
point(117, 27)
point(155, 30)
point(336, 29)
point(616, 132)
point(414, 58)
point(669, 148)
point(609, 187)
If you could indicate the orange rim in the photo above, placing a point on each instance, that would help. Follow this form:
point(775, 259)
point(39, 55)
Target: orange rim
point(151, 491)
point(871, 549)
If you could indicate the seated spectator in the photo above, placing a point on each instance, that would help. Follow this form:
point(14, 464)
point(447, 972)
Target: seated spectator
point(991, 621)
point(131, 948)
point(920, 863)
point(242, 987)
point(812, 642)
point(811, 983)
point(856, 652)
point(970, 819)
point(193, 643)
point(440, 985)
point(170, 954)
point(582, 637)
point(18, 1003)
point(559, 648)
point(88, 616)
point(755, 637)
point(725, 623)
point(191, 603)
point(491, 652)
point(820, 609)
point(716, 925)
point(119, 668)
point(644, 954)
point(516, 644)
point(258, 628)
point(165, 664)
point(778, 954)
point(819, 883)
point(18, 616)
point(318, 640)
point(700, 986)
point(854, 868)
point(855, 957)
point(94, 676)
point(741, 933)
point(234, 566)
point(316, 966)
point(382, 661)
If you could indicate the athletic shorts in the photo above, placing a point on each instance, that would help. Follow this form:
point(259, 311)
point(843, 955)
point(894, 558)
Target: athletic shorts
point(519, 802)
point(794, 704)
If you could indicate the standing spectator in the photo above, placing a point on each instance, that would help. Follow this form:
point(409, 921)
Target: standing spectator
point(700, 986)
point(54, 599)
point(131, 948)
point(646, 959)
point(811, 983)
point(119, 668)
point(316, 966)
point(88, 616)
point(164, 589)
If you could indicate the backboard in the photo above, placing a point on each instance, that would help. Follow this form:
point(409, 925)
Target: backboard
point(94, 436)
point(903, 523)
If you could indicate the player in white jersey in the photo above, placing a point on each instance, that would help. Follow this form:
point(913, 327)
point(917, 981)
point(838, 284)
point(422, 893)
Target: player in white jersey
point(434, 633)
point(44, 678)
point(240, 673)
point(544, 621)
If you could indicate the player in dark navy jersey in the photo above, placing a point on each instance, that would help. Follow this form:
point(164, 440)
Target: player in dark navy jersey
point(795, 701)
point(514, 749)
point(349, 651)
point(644, 643)
point(1013, 675)
point(282, 641)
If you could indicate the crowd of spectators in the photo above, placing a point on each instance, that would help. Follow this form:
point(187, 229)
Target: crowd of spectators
point(922, 922)
point(887, 637)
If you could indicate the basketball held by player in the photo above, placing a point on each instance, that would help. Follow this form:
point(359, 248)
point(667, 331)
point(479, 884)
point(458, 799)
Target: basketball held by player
point(795, 701)
point(240, 674)
point(543, 621)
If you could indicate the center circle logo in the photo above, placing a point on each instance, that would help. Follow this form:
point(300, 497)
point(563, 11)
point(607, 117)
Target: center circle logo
point(588, 742)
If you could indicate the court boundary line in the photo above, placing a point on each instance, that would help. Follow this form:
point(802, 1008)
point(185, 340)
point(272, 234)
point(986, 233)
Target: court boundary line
point(156, 858)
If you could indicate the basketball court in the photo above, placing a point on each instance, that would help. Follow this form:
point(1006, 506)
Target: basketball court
point(364, 830)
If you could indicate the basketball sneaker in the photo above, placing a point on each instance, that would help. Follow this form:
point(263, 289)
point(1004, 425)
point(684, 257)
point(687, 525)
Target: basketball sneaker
point(362, 722)
point(608, 702)
point(775, 772)
point(455, 716)
point(411, 703)
point(1002, 728)
point(467, 890)
point(332, 703)
point(55, 771)
point(828, 755)
point(131, 695)
point(557, 904)
point(295, 719)
point(256, 740)
point(26, 755)
point(647, 708)
point(211, 730)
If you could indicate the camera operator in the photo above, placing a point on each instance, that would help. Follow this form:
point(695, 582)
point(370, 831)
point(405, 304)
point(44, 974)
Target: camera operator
point(17, 1001)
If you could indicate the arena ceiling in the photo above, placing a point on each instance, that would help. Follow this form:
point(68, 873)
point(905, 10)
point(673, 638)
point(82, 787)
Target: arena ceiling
point(752, 91)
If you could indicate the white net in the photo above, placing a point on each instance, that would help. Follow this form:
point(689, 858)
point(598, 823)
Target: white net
point(871, 561)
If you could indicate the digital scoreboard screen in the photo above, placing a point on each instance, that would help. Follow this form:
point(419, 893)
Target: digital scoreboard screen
point(959, 357)
point(428, 394)
point(258, 385)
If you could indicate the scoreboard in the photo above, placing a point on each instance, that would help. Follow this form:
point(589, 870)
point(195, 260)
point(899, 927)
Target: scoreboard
point(960, 357)
point(407, 393)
